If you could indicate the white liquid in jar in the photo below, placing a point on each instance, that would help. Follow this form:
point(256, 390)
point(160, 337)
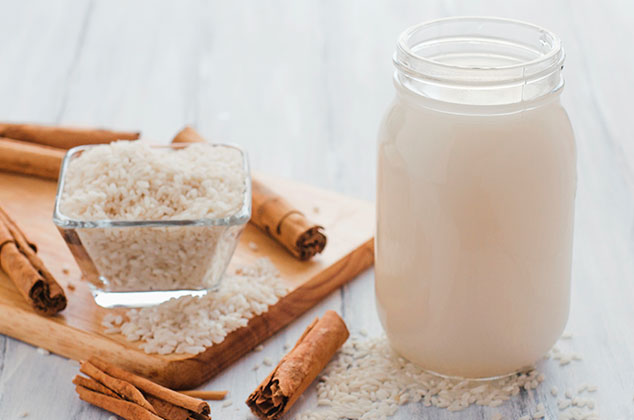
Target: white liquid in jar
point(474, 235)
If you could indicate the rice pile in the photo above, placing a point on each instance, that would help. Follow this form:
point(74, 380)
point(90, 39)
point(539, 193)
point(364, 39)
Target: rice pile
point(368, 380)
point(133, 181)
point(130, 180)
point(189, 324)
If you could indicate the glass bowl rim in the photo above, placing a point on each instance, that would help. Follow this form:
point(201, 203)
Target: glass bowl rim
point(241, 217)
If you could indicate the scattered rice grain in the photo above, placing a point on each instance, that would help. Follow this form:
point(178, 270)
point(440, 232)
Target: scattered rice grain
point(189, 324)
point(379, 381)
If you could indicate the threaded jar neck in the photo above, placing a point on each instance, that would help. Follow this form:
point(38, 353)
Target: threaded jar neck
point(479, 61)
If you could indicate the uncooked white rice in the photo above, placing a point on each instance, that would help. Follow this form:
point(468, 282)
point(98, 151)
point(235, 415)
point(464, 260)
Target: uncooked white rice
point(133, 181)
point(368, 380)
point(189, 324)
point(540, 411)
point(563, 357)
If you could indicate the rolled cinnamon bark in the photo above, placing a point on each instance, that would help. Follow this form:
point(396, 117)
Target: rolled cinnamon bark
point(94, 386)
point(25, 269)
point(119, 386)
point(15, 228)
point(150, 388)
point(30, 159)
point(284, 223)
point(279, 391)
point(188, 135)
point(63, 137)
point(274, 215)
point(140, 395)
point(206, 395)
point(168, 411)
point(122, 408)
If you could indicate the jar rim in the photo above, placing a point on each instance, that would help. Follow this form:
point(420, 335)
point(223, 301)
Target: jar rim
point(547, 51)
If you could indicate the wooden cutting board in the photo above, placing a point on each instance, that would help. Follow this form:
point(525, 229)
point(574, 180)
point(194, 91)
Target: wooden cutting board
point(77, 332)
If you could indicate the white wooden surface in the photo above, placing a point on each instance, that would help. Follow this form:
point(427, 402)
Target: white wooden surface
point(302, 85)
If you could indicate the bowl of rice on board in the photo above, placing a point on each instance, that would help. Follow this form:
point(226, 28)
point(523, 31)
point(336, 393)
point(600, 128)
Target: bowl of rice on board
point(147, 223)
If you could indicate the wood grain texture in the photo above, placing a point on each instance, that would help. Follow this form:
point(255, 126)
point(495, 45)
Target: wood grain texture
point(303, 86)
point(77, 332)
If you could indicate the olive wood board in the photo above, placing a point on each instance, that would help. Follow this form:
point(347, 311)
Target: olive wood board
point(77, 332)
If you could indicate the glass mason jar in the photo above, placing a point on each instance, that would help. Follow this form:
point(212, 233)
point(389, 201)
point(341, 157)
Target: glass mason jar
point(475, 197)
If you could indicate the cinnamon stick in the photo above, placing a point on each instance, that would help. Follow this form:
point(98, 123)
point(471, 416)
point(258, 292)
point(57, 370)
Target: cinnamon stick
point(94, 386)
point(274, 215)
point(27, 271)
point(30, 159)
point(15, 228)
point(148, 387)
point(111, 381)
point(206, 395)
point(63, 137)
point(281, 389)
point(121, 387)
point(168, 411)
point(122, 408)
point(188, 135)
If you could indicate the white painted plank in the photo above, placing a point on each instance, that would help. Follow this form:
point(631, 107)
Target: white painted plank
point(39, 43)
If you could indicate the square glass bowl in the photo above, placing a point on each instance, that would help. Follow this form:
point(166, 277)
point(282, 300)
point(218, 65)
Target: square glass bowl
point(135, 263)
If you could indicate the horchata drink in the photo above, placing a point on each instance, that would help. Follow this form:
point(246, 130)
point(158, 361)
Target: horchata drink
point(475, 199)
